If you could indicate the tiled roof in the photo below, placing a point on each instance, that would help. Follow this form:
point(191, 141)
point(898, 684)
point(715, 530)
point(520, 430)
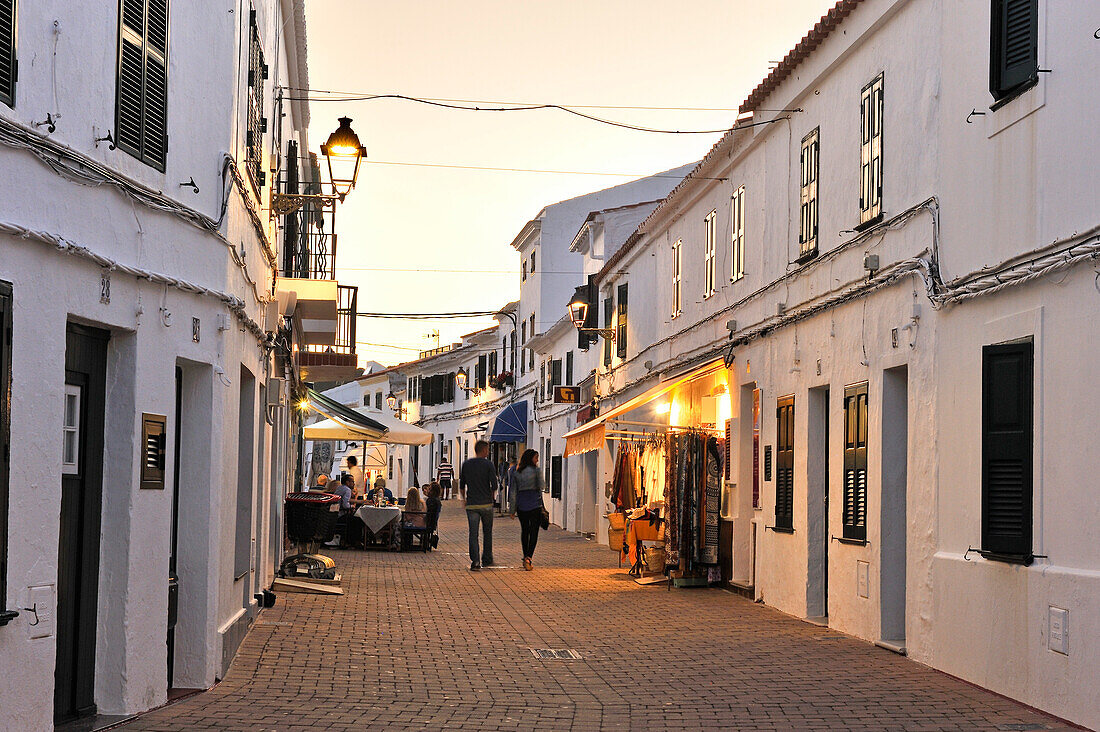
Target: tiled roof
point(805, 47)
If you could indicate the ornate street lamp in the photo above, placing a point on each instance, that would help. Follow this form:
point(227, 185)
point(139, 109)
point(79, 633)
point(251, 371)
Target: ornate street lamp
point(344, 153)
point(391, 400)
point(462, 381)
point(578, 313)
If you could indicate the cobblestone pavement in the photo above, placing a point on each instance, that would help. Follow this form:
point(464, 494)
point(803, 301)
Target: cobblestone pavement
point(421, 642)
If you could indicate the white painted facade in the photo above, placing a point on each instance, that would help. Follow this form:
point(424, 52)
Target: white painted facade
point(958, 198)
point(189, 288)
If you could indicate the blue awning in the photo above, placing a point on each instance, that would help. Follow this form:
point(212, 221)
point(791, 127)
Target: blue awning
point(509, 424)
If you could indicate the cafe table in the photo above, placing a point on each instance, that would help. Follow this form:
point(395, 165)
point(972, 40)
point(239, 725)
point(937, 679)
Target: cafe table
point(380, 518)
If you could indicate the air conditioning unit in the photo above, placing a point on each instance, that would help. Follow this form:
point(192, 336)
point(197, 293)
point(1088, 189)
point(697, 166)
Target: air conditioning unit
point(276, 392)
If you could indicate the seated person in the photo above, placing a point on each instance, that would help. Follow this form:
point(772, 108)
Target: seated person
point(380, 487)
point(344, 490)
point(433, 505)
point(321, 483)
point(415, 505)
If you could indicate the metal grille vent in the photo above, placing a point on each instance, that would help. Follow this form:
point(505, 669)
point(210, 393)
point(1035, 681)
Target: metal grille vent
point(551, 654)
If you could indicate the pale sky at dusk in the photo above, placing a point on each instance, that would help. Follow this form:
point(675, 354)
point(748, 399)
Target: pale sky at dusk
point(432, 239)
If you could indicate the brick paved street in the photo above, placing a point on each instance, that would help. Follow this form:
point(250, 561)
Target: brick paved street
point(419, 641)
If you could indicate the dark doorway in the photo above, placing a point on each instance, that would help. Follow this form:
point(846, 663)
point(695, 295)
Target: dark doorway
point(173, 575)
point(895, 464)
point(81, 518)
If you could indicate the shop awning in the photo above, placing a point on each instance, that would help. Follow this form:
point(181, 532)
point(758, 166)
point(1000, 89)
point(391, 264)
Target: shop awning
point(396, 432)
point(509, 424)
point(350, 419)
point(591, 435)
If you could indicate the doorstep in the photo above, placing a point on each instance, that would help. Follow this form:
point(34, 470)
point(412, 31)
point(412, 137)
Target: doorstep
point(94, 723)
point(897, 646)
point(741, 589)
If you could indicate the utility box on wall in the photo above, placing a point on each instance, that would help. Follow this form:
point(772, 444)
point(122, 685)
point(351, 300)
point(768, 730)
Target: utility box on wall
point(154, 450)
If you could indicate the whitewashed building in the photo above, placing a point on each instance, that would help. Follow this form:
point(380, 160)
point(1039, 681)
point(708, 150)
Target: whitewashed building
point(151, 341)
point(879, 289)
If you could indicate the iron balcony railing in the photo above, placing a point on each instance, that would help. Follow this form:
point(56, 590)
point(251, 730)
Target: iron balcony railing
point(309, 234)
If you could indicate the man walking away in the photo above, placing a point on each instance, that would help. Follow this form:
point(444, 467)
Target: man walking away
point(445, 475)
point(477, 482)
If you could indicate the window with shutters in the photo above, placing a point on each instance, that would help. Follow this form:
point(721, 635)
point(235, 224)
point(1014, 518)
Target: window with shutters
point(141, 103)
point(555, 374)
point(710, 253)
point(448, 387)
point(737, 226)
point(807, 206)
point(523, 272)
point(870, 151)
point(608, 318)
point(547, 462)
point(569, 368)
point(542, 382)
point(532, 262)
point(378, 400)
point(677, 277)
point(620, 330)
point(784, 464)
point(5, 433)
point(1007, 448)
point(479, 372)
point(1013, 47)
point(257, 123)
point(531, 328)
point(493, 363)
point(9, 63)
point(855, 463)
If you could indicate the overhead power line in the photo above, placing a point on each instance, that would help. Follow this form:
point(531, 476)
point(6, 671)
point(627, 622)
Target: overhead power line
point(355, 95)
point(431, 316)
point(526, 108)
point(533, 170)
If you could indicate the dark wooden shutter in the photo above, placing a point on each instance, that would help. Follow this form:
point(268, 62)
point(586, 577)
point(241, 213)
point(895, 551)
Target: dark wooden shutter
point(141, 113)
point(1007, 448)
point(569, 368)
point(479, 376)
point(1014, 47)
point(555, 374)
point(784, 464)
point(448, 387)
point(608, 317)
point(620, 336)
point(555, 476)
point(5, 430)
point(855, 462)
point(9, 65)
point(542, 382)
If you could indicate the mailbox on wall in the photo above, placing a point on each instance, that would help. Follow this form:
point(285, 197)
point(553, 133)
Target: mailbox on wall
point(153, 450)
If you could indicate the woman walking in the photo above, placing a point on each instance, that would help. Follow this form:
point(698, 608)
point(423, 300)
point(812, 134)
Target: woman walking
point(527, 502)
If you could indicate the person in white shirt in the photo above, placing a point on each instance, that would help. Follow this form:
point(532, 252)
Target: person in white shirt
point(360, 488)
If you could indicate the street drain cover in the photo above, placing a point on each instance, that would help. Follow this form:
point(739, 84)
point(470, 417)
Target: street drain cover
point(565, 654)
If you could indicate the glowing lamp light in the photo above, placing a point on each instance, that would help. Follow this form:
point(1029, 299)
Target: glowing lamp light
point(344, 153)
point(461, 379)
point(391, 400)
point(303, 405)
point(578, 313)
point(664, 408)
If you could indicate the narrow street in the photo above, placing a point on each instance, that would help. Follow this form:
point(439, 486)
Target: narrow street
point(421, 642)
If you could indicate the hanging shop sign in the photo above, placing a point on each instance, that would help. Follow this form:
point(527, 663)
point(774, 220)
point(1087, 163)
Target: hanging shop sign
point(567, 395)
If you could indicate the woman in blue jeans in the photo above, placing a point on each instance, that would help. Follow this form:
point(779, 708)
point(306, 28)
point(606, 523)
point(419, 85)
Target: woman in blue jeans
point(527, 502)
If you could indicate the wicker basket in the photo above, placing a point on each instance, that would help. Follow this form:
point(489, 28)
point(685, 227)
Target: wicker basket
point(655, 558)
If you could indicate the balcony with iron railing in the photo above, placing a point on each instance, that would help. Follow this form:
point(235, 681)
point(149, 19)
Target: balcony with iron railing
point(325, 309)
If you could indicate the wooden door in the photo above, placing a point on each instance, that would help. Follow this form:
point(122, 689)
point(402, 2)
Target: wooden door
point(81, 518)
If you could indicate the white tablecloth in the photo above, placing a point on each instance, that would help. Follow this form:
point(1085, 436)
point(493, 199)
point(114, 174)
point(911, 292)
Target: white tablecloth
point(377, 518)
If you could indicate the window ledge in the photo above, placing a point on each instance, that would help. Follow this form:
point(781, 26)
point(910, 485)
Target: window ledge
point(806, 256)
point(6, 616)
point(780, 529)
point(1021, 559)
point(877, 219)
point(850, 542)
point(1017, 92)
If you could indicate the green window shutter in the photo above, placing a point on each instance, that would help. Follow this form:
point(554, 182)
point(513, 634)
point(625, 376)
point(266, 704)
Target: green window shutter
point(784, 464)
point(555, 377)
point(855, 463)
point(141, 114)
point(9, 65)
point(1007, 447)
point(555, 476)
point(620, 334)
point(608, 315)
point(1014, 46)
point(569, 368)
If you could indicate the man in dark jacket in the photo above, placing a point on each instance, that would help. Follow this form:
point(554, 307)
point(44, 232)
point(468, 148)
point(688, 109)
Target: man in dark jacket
point(477, 483)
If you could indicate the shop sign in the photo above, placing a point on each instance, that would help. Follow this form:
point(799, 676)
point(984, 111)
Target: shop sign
point(567, 395)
